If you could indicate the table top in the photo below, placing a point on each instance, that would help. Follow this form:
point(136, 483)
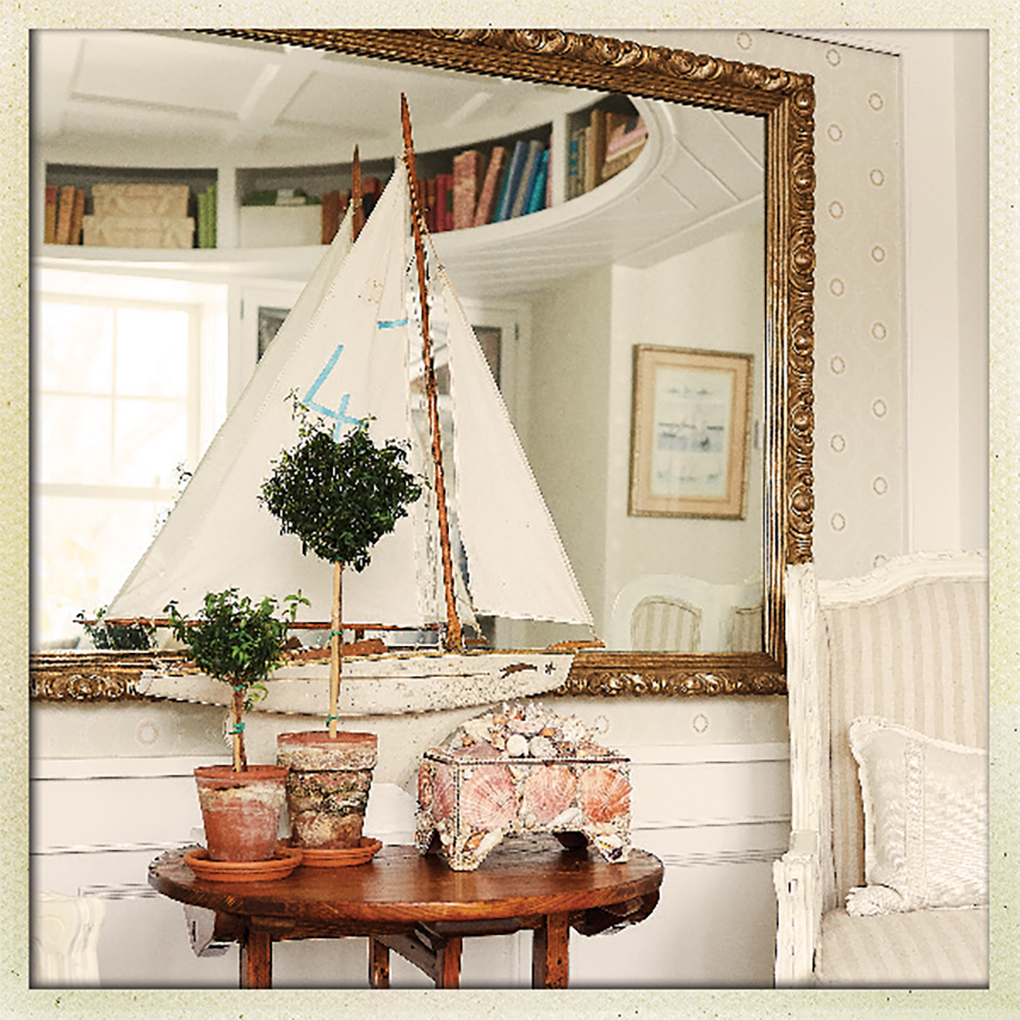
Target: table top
point(522, 876)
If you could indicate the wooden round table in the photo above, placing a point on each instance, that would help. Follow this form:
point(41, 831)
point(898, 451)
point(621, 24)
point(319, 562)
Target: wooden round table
point(420, 908)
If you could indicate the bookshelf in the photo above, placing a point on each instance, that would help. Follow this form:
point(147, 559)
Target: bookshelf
point(240, 208)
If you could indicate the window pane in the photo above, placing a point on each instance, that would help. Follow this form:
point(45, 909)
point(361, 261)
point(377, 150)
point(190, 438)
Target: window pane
point(152, 352)
point(150, 441)
point(75, 347)
point(83, 550)
point(73, 439)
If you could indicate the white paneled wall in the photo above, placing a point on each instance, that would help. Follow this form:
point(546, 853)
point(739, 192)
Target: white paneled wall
point(716, 813)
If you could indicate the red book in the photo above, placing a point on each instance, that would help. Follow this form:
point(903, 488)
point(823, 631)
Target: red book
point(466, 174)
point(487, 198)
point(444, 200)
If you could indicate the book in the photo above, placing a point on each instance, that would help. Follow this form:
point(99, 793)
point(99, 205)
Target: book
point(513, 179)
point(573, 164)
point(50, 219)
point(466, 175)
point(330, 215)
point(65, 213)
point(444, 186)
point(207, 213)
point(613, 166)
point(77, 213)
point(489, 193)
point(527, 181)
point(624, 132)
point(595, 149)
point(539, 198)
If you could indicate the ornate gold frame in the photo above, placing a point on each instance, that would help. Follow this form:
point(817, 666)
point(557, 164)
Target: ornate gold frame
point(785, 100)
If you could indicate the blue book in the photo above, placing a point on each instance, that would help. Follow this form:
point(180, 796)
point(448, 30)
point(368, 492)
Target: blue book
point(513, 180)
point(523, 196)
point(536, 200)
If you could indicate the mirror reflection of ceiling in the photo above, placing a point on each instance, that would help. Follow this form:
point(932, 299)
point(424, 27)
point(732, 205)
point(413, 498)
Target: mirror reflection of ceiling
point(180, 99)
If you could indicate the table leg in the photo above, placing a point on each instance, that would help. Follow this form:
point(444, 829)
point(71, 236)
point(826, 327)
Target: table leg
point(257, 960)
point(550, 959)
point(448, 963)
point(378, 964)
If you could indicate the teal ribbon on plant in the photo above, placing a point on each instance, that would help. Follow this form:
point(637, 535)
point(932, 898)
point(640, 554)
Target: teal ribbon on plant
point(238, 728)
point(336, 633)
point(330, 718)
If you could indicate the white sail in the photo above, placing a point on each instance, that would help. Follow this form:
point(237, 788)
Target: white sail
point(517, 566)
point(348, 350)
point(343, 348)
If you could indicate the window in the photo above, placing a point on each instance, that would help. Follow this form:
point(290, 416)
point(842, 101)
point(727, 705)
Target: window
point(122, 410)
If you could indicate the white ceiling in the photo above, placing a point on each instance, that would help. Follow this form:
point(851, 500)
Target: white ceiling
point(180, 99)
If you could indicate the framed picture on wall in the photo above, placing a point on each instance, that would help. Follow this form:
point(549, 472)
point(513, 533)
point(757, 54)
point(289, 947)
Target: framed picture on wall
point(689, 432)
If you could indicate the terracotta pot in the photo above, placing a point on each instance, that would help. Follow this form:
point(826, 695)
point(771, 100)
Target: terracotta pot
point(327, 786)
point(241, 810)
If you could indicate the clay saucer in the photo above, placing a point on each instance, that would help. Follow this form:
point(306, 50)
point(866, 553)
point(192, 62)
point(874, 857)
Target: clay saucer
point(360, 854)
point(280, 865)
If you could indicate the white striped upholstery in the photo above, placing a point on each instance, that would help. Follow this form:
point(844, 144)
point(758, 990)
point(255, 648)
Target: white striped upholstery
point(745, 629)
point(918, 949)
point(665, 625)
point(917, 656)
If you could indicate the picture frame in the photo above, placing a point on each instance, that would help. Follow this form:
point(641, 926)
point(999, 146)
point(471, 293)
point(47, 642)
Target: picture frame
point(690, 432)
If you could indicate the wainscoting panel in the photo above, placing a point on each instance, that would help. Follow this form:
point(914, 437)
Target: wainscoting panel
point(717, 815)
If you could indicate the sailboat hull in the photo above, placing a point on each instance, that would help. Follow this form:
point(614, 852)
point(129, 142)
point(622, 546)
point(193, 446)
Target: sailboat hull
point(391, 684)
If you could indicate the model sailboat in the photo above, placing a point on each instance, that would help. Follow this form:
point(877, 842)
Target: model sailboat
point(363, 341)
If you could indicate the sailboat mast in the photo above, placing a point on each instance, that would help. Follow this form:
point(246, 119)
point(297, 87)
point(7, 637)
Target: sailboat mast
point(453, 629)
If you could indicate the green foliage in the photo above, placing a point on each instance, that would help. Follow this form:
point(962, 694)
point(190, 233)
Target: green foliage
point(121, 637)
point(341, 497)
point(234, 639)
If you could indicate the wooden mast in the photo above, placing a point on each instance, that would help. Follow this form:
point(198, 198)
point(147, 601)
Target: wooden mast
point(336, 611)
point(453, 629)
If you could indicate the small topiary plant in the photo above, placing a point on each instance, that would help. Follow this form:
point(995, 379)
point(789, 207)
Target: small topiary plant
point(238, 642)
point(339, 497)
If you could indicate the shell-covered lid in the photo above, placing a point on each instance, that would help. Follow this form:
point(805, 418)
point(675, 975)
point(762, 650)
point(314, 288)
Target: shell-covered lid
point(525, 729)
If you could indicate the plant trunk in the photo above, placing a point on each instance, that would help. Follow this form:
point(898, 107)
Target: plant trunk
point(240, 758)
point(335, 640)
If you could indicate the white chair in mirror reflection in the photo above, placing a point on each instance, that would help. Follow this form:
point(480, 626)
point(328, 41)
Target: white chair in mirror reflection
point(65, 940)
point(885, 883)
point(672, 613)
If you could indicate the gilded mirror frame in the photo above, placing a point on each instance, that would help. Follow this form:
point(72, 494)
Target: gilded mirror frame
point(785, 100)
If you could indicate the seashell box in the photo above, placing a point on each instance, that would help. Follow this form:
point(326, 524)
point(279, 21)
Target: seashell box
point(520, 770)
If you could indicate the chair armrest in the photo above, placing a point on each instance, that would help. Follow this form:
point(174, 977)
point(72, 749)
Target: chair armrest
point(797, 880)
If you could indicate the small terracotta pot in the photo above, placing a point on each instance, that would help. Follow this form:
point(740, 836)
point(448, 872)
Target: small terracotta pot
point(327, 786)
point(241, 810)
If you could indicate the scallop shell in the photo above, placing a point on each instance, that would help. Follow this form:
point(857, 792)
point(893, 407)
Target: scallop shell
point(603, 794)
point(442, 792)
point(488, 799)
point(548, 792)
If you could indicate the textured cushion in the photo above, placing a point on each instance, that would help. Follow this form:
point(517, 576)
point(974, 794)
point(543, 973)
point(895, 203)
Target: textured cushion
point(925, 820)
point(922, 949)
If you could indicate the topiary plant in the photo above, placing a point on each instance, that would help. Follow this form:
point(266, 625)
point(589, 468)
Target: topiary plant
point(339, 497)
point(238, 642)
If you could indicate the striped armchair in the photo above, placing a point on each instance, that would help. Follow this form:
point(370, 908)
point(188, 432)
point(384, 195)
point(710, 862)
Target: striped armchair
point(888, 687)
point(672, 613)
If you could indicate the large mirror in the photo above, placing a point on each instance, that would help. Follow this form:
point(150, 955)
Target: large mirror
point(676, 295)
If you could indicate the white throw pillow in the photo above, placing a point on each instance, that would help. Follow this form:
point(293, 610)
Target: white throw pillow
point(925, 820)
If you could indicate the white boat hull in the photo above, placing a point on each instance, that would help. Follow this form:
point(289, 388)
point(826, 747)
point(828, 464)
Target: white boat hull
point(391, 684)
